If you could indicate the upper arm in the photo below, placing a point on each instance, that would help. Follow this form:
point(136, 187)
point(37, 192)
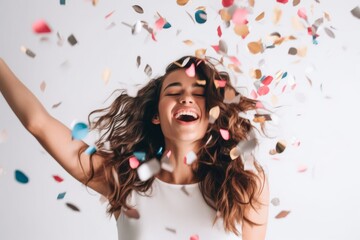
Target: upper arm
point(258, 214)
point(56, 138)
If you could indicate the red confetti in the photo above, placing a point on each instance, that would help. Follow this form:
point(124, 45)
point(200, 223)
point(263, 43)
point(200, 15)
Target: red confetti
point(216, 48)
point(41, 26)
point(282, 1)
point(267, 80)
point(195, 237)
point(227, 3)
point(219, 32)
point(58, 178)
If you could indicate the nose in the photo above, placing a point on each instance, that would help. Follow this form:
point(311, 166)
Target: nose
point(186, 99)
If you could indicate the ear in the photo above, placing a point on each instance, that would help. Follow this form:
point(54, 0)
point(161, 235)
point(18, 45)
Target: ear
point(155, 119)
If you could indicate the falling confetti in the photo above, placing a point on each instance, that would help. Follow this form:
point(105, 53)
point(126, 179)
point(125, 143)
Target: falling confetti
point(3, 136)
point(275, 201)
point(21, 177)
point(61, 196)
point(72, 40)
point(260, 16)
point(227, 3)
point(282, 1)
point(172, 230)
point(255, 47)
point(140, 155)
point(183, 188)
point(302, 168)
point(200, 16)
point(190, 158)
point(134, 162)
point(106, 75)
point(356, 12)
point(62, 2)
point(195, 237)
point(79, 130)
point(148, 70)
point(282, 214)
point(132, 213)
point(182, 2)
point(225, 134)
point(148, 169)
point(27, 51)
point(41, 26)
point(42, 86)
point(329, 32)
point(138, 9)
point(138, 61)
point(190, 71)
point(73, 207)
point(214, 114)
point(58, 178)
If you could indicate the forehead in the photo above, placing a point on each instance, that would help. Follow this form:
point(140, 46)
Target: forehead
point(179, 76)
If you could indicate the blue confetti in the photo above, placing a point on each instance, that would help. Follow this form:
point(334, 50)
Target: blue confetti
point(200, 16)
point(79, 131)
point(90, 150)
point(21, 177)
point(62, 2)
point(140, 155)
point(61, 195)
point(167, 25)
point(284, 75)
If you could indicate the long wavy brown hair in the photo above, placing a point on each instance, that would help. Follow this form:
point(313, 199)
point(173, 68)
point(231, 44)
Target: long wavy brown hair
point(127, 127)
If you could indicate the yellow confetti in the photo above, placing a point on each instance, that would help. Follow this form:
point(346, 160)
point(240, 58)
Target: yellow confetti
point(277, 15)
point(106, 75)
point(200, 53)
point(201, 82)
point(188, 42)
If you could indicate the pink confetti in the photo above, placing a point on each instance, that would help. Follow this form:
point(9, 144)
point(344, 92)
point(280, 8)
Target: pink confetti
point(190, 71)
point(195, 237)
point(283, 89)
point(302, 13)
point(58, 178)
point(159, 24)
point(219, 32)
point(225, 134)
point(109, 14)
point(216, 48)
point(253, 94)
point(239, 16)
point(259, 105)
point(134, 163)
point(293, 86)
point(302, 168)
point(282, 1)
point(220, 83)
point(235, 61)
point(41, 26)
point(263, 90)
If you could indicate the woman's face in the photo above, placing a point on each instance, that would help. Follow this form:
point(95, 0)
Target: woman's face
point(182, 111)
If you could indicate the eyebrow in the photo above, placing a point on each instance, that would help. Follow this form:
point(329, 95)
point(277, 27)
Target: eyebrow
point(178, 84)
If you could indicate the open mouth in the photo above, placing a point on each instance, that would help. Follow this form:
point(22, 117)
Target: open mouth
point(186, 116)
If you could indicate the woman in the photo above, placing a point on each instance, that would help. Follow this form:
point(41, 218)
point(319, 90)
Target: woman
point(185, 132)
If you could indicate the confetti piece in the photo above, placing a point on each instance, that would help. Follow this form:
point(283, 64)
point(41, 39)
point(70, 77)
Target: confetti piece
point(235, 153)
point(329, 32)
point(282, 214)
point(356, 12)
point(167, 25)
point(292, 51)
point(62, 2)
point(242, 30)
point(103, 199)
point(90, 150)
point(58, 178)
point(282, 1)
point(41, 26)
point(79, 130)
point(60, 40)
point(280, 146)
point(27, 51)
point(56, 105)
point(190, 71)
point(182, 2)
point(240, 16)
point(260, 16)
point(183, 188)
point(132, 213)
point(148, 169)
point(137, 27)
point(219, 83)
point(73, 207)
point(140, 155)
point(296, 2)
point(159, 24)
point(42, 86)
point(61, 196)
point(263, 90)
point(225, 134)
point(188, 42)
point(170, 230)
point(109, 14)
point(201, 82)
point(200, 16)
point(214, 114)
point(138, 61)
point(148, 70)
point(275, 201)
point(255, 47)
point(302, 168)
point(219, 32)
point(106, 75)
point(302, 13)
point(195, 237)
point(166, 164)
point(72, 40)
point(277, 15)
point(138, 9)
point(95, 2)
point(200, 53)
point(227, 3)
point(134, 163)
point(3, 136)
point(21, 177)
point(267, 80)
point(190, 158)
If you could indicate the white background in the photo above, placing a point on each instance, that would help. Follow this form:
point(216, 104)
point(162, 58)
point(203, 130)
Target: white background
point(323, 201)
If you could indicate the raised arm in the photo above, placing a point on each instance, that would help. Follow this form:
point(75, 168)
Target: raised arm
point(54, 136)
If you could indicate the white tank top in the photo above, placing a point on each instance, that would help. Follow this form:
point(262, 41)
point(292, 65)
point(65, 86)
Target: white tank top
point(171, 211)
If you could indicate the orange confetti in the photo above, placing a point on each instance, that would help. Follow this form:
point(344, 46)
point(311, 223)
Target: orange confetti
point(282, 214)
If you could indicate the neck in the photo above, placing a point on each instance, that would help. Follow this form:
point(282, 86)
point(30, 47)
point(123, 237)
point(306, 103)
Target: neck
point(182, 173)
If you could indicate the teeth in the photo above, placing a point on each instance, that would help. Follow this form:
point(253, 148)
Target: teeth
point(188, 113)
